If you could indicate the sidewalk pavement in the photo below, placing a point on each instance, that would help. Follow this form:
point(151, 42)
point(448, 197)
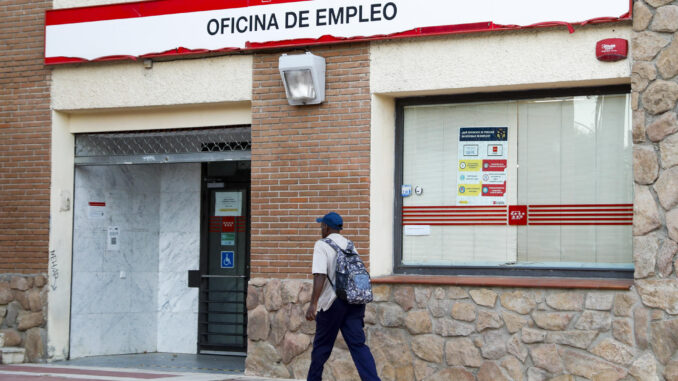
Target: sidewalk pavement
point(51, 372)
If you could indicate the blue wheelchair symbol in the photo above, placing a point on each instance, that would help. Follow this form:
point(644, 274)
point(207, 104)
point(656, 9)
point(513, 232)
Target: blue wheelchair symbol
point(227, 260)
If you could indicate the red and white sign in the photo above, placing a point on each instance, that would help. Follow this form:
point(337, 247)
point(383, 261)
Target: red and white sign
point(175, 27)
point(517, 215)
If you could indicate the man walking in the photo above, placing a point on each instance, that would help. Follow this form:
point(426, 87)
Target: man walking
point(332, 314)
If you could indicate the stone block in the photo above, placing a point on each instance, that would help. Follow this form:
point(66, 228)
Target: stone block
point(28, 320)
point(464, 311)
point(623, 304)
point(20, 283)
point(641, 325)
point(514, 322)
point(566, 301)
point(422, 295)
point(462, 352)
point(381, 292)
point(513, 367)
point(601, 301)
point(666, 187)
point(645, 211)
point(515, 347)
point(552, 321)
point(278, 326)
point(645, 368)
point(428, 347)
point(39, 281)
point(258, 325)
point(273, 295)
point(664, 339)
point(589, 366)
point(22, 298)
point(494, 344)
point(660, 96)
point(668, 149)
point(614, 351)
point(484, 297)
point(594, 320)
point(36, 343)
point(577, 339)
point(622, 330)
point(488, 319)
point(390, 315)
point(253, 294)
point(264, 360)
point(665, 257)
point(672, 223)
point(490, 371)
point(305, 293)
point(12, 337)
point(641, 74)
point(518, 301)
point(293, 345)
point(449, 327)
point(645, 164)
point(546, 356)
point(641, 16)
point(658, 3)
point(439, 307)
point(638, 121)
point(290, 291)
point(296, 317)
point(665, 125)
point(418, 322)
point(537, 374)
point(665, 20)
point(645, 250)
point(404, 296)
point(646, 45)
point(531, 335)
point(457, 293)
point(659, 293)
point(671, 370)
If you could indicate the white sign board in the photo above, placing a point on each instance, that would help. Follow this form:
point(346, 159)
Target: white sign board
point(157, 27)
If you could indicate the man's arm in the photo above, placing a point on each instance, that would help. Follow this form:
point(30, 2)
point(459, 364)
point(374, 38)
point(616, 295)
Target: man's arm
point(318, 283)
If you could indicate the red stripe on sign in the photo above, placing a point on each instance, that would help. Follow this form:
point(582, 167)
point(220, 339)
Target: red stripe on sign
point(456, 215)
point(97, 204)
point(579, 219)
point(579, 214)
point(146, 9)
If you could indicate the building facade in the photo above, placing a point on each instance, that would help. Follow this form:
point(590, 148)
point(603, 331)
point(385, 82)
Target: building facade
point(514, 196)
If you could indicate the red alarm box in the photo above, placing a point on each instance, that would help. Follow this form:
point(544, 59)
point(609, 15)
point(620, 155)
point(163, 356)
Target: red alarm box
point(612, 49)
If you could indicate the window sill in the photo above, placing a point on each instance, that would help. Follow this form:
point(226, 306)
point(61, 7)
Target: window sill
point(494, 281)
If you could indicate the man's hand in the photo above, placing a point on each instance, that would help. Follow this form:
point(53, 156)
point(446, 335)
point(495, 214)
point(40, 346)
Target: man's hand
point(310, 313)
point(318, 284)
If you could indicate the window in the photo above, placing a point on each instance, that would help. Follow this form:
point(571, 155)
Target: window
point(526, 183)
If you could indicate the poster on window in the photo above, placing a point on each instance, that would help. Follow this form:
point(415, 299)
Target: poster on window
point(482, 167)
point(228, 204)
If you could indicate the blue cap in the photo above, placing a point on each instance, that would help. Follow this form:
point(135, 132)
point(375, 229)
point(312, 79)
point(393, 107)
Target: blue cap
point(332, 220)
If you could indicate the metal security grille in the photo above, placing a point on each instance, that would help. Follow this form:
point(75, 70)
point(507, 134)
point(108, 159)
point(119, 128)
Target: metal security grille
point(168, 146)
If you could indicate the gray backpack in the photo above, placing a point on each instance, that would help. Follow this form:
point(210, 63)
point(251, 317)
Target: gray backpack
point(352, 279)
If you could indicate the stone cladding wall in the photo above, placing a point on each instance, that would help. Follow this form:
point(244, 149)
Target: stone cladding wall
point(23, 314)
point(468, 333)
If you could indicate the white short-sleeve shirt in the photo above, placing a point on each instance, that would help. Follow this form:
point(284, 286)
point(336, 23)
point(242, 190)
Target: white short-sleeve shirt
point(325, 262)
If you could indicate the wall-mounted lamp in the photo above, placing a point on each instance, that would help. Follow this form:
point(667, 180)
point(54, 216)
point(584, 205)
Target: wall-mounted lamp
point(303, 76)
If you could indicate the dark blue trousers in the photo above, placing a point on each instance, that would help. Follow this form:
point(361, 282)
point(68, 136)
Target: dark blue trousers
point(349, 318)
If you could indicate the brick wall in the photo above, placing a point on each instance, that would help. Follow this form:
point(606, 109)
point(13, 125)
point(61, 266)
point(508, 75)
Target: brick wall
point(309, 160)
point(24, 138)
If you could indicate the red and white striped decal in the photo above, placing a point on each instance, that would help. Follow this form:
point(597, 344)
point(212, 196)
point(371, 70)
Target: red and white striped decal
point(454, 215)
point(580, 214)
point(573, 214)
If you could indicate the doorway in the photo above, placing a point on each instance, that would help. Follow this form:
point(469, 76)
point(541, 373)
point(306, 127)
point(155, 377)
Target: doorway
point(225, 258)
